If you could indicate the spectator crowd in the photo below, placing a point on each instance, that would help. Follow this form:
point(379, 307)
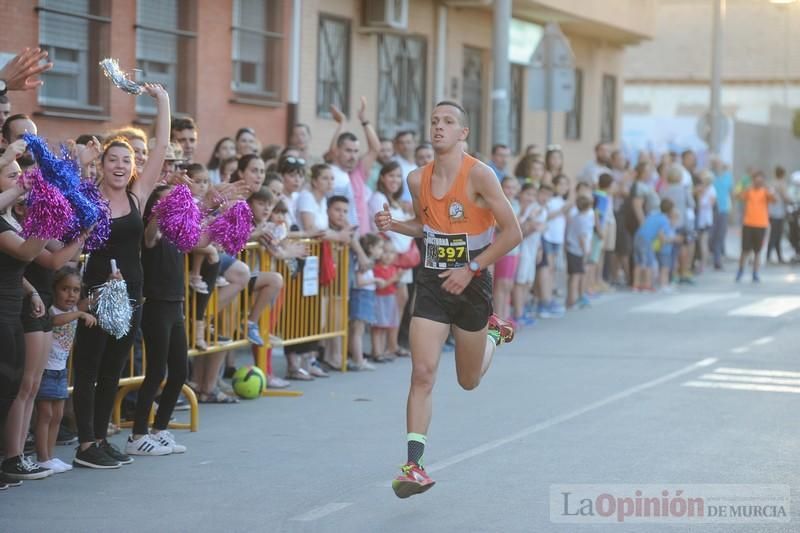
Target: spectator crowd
point(646, 225)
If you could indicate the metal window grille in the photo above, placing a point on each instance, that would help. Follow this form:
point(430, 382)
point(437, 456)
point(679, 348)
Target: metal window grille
point(472, 100)
point(163, 32)
point(609, 108)
point(402, 84)
point(333, 65)
point(72, 32)
point(572, 126)
point(257, 42)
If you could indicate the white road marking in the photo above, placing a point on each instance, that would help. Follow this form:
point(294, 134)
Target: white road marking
point(768, 307)
point(740, 349)
point(742, 386)
point(751, 379)
point(757, 372)
point(683, 302)
point(325, 510)
point(320, 512)
point(762, 341)
point(541, 426)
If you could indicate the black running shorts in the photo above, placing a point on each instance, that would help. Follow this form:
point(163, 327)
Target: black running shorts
point(469, 310)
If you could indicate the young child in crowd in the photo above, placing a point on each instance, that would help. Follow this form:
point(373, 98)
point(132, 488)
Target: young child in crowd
point(665, 254)
point(228, 168)
point(387, 315)
point(506, 267)
point(656, 227)
point(553, 245)
point(53, 389)
point(532, 219)
point(199, 186)
point(604, 213)
point(706, 201)
point(580, 228)
point(362, 302)
point(263, 286)
point(755, 222)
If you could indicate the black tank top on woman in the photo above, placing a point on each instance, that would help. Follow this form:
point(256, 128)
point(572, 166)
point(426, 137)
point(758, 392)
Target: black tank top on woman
point(124, 244)
point(11, 271)
point(42, 280)
point(163, 268)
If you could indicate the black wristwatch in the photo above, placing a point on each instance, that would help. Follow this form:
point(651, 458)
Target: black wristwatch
point(3, 87)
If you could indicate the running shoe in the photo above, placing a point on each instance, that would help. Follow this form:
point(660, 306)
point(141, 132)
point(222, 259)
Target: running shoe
point(756, 279)
point(583, 302)
point(56, 466)
point(739, 275)
point(412, 480)
point(501, 331)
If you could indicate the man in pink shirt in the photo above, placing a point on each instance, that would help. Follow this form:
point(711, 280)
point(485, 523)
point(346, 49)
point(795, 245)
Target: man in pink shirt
point(351, 172)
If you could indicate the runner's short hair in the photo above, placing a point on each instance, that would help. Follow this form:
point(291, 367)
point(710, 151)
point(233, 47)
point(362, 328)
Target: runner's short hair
point(451, 103)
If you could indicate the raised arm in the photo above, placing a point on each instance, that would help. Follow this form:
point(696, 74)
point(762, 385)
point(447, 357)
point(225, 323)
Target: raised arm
point(151, 173)
point(58, 258)
point(24, 250)
point(373, 142)
point(339, 117)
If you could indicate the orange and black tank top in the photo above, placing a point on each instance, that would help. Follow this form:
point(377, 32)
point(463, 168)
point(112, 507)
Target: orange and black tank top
point(455, 213)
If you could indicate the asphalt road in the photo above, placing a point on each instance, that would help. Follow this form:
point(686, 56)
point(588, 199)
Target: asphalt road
point(670, 390)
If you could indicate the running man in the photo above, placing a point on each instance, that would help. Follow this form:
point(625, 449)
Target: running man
point(458, 202)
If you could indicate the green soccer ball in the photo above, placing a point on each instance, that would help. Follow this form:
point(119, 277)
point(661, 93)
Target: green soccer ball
point(249, 382)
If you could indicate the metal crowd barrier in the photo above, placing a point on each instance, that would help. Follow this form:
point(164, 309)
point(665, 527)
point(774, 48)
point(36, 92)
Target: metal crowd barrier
point(294, 318)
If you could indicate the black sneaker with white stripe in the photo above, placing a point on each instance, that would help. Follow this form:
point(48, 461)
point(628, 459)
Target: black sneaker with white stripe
point(94, 457)
point(8, 482)
point(20, 467)
point(115, 453)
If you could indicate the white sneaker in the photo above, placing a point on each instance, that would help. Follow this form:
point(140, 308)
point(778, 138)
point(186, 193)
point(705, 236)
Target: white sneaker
point(146, 445)
point(53, 465)
point(165, 438)
point(65, 466)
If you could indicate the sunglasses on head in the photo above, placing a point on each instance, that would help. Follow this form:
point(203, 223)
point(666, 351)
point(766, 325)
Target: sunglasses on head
point(295, 161)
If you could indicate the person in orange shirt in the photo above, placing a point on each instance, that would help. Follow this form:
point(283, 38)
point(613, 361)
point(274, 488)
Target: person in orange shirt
point(457, 202)
point(756, 200)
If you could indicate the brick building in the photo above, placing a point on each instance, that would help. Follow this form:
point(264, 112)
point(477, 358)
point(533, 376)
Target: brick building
point(229, 63)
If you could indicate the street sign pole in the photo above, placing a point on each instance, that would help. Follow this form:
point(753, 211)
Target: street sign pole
point(548, 85)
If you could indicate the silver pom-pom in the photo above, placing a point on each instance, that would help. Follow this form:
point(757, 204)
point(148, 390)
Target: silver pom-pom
point(113, 308)
point(119, 78)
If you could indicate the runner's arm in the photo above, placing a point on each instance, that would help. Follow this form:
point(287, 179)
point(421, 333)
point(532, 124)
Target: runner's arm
point(510, 235)
point(413, 227)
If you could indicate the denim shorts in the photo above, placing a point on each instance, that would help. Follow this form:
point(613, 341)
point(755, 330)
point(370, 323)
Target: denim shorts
point(54, 385)
point(551, 248)
point(225, 262)
point(643, 253)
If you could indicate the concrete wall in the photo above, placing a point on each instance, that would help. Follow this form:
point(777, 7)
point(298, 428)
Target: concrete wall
point(764, 147)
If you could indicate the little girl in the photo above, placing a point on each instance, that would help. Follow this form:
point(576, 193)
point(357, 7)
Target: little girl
point(506, 267)
point(362, 302)
point(199, 187)
point(387, 316)
point(53, 388)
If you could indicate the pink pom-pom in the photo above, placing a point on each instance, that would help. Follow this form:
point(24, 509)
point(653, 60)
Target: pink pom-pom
point(179, 218)
point(232, 228)
point(48, 213)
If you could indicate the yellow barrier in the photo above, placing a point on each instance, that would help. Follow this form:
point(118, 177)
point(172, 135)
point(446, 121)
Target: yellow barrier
point(295, 319)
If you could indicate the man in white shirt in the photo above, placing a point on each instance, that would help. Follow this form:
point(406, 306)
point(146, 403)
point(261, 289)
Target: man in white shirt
point(600, 165)
point(404, 145)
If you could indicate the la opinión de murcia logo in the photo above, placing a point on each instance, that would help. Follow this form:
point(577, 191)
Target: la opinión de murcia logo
point(653, 503)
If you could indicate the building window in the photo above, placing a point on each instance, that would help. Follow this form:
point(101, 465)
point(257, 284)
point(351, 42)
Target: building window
point(333, 65)
point(572, 126)
point(257, 42)
point(608, 108)
point(75, 35)
point(516, 108)
point(401, 84)
point(164, 44)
